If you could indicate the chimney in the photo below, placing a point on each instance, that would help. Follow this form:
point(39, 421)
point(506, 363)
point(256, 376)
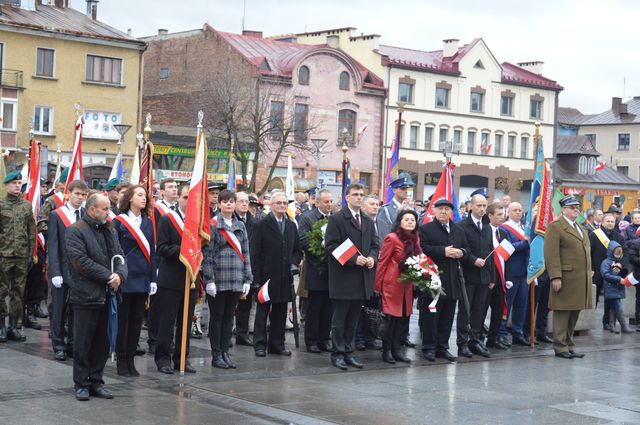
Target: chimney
point(38, 3)
point(533, 66)
point(254, 34)
point(92, 9)
point(129, 32)
point(450, 47)
point(163, 31)
point(333, 41)
point(62, 4)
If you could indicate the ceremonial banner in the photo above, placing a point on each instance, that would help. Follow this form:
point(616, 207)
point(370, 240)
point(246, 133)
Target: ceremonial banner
point(392, 165)
point(231, 182)
point(76, 170)
point(444, 189)
point(289, 190)
point(346, 180)
point(146, 180)
point(116, 170)
point(33, 187)
point(135, 168)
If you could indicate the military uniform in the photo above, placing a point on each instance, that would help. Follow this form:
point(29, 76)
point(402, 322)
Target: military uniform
point(17, 239)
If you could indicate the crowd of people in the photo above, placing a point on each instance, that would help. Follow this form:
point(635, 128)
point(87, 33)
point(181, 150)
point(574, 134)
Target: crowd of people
point(95, 245)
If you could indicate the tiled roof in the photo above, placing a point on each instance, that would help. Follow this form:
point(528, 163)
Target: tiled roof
point(434, 62)
point(576, 145)
point(572, 116)
point(58, 20)
point(606, 176)
point(611, 117)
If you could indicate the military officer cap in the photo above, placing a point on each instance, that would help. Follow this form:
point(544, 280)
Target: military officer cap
point(614, 209)
point(482, 191)
point(63, 175)
point(443, 202)
point(254, 200)
point(312, 191)
point(14, 175)
point(216, 185)
point(569, 201)
point(404, 180)
point(112, 184)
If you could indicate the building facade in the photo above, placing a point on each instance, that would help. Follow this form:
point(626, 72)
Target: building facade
point(54, 57)
point(462, 95)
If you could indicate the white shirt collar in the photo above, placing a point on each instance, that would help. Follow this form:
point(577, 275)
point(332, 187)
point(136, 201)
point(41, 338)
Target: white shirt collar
point(353, 213)
point(73, 210)
point(515, 225)
point(571, 222)
point(137, 219)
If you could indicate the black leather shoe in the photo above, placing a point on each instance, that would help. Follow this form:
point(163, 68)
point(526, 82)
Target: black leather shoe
point(37, 310)
point(244, 340)
point(339, 363)
point(544, 339)
point(480, 350)
point(313, 349)
point(101, 392)
point(218, 361)
point(465, 352)
point(521, 340)
point(576, 355)
point(400, 357)
point(495, 344)
point(360, 346)
point(60, 355)
point(429, 355)
point(187, 368)
point(32, 321)
point(408, 343)
point(15, 334)
point(373, 345)
point(82, 394)
point(446, 355)
point(350, 360)
point(165, 369)
point(280, 352)
point(260, 352)
point(140, 351)
point(227, 360)
point(388, 357)
point(564, 355)
point(504, 341)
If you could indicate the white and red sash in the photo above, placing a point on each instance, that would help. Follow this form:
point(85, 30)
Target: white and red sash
point(177, 221)
point(230, 237)
point(500, 266)
point(514, 231)
point(137, 234)
point(111, 215)
point(58, 198)
point(66, 216)
point(162, 208)
point(41, 241)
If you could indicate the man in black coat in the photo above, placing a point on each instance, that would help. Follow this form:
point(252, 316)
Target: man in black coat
point(275, 256)
point(318, 318)
point(445, 243)
point(477, 270)
point(92, 242)
point(350, 285)
point(168, 306)
point(244, 304)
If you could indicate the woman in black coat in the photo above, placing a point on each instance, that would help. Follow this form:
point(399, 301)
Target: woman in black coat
point(135, 232)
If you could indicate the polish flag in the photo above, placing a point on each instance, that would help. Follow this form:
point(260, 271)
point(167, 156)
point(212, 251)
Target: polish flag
point(76, 170)
point(345, 251)
point(630, 280)
point(600, 165)
point(505, 249)
point(361, 132)
point(263, 293)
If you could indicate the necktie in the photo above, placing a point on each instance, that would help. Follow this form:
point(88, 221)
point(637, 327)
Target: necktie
point(446, 227)
point(497, 235)
point(281, 224)
point(77, 215)
point(358, 220)
point(479, 224)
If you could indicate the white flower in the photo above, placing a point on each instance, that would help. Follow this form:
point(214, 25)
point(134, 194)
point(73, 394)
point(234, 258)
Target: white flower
point(324, 229)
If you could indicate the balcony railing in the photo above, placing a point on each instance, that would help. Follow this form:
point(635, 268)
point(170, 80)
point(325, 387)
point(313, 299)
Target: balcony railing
point(11, 78)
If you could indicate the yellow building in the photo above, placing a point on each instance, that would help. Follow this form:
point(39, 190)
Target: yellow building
point(54, 57)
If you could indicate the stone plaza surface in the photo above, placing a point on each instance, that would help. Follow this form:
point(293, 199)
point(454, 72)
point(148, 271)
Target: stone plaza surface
point(517, 386)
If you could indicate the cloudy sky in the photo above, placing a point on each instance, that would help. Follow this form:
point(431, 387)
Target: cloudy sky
point(588, 46)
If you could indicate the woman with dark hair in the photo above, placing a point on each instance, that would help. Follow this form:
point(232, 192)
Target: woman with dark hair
point(397, 297)
point(135, 232)
point(227, 272)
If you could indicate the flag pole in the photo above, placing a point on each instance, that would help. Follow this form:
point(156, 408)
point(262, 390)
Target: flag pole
point(532, 286)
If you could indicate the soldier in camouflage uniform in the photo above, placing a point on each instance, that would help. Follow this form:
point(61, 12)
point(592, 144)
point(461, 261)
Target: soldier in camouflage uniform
point(17, 239)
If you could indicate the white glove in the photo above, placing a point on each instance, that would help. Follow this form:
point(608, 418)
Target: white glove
point(245, 289)
point(57, 281)
point(508, 284)
point(153, 288)
point(211, 289)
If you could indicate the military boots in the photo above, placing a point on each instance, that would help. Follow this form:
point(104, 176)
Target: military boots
point(15, 331)
point(31, 320)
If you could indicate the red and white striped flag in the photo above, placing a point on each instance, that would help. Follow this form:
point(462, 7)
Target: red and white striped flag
point(76, 170)
point(345, 251)
point(263, 293)
point(33, 187)
point(601, 165)
point(505, 249)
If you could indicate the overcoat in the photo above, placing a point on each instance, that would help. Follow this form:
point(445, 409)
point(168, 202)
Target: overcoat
point(387, 283)
point(171, 271)
point(316, 275)
point(480, 245)
point(567, 256)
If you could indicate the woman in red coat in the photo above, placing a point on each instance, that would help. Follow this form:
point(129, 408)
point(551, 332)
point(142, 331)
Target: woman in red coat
point(397, 297)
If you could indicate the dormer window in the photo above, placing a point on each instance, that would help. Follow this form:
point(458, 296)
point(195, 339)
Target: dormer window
point(591, 166)
point(583, 164)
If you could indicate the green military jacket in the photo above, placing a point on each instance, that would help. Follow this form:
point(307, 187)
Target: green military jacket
point(17, 227)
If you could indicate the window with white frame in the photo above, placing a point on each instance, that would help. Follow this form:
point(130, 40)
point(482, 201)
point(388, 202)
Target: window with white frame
point(457, 139)
point(442, 97)
point(498, 148)
point(471, 142)
point(506, 106)
point(428, 138)
point(444, 134)
point(44, 62)
point(624, 140)
point(524, 147)
point(477, 100)
point(43, 119)
point(413, 137)
point(405, 92)
point(9, 114)
point(535, 109)
point(511, 146)
point(101, 69)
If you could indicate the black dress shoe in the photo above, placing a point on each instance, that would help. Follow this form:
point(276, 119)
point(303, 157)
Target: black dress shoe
point(227, 360)
point(445, 354)
point(218, 361)
point(408, 343)
point(101, 392)
point(429, 355)
point(495, 344)
point(140, 351)
point(187, 368)
point(504, 341)
point(350, 360)
point(521, 340)
point(260, 352)
point(82, 394)
point(465, 352)
point(373, 345)
point(280, 352)
point(388, 357)
point(244, 340)
point(544, 339)
point(480, 350)
point(313, 349)
point(60, 355)
point(339, 363)
point(165, 369)
point(576, 355)
point(361, 346)
point(564, 355)
point(400, 357)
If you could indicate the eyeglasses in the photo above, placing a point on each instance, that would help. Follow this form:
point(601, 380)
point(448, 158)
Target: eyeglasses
point(279, 203)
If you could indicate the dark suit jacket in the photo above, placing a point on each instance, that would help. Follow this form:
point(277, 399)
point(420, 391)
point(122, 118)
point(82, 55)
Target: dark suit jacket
point(141, 273)
point(480, 245)
point(316, 277)
point(57, 261)
point(248, 223)
point(351, 282)
point(272, 255)
point(171, 271)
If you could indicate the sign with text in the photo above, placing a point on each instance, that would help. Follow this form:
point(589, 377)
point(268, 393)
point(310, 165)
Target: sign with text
point(99, 125)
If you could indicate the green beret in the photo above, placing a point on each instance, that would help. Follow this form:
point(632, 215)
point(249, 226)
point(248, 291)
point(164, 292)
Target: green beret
point(63, 175)
point(112, 184)
point(14, 175)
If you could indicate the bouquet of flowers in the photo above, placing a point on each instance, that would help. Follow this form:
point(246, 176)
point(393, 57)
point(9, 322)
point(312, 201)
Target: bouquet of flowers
point(424, 274)
point(316, 243)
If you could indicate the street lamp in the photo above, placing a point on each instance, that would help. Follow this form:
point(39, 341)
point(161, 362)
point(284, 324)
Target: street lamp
point(449, 148)
point(319, 143)
point(122, 130)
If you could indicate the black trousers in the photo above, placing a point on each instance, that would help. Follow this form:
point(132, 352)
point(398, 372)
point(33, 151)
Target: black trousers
point(221, 310)
point(152, 322)
point(396, 331)
point(469, 329)
point(496, 302)
point(243, 311)
point(541, 308)
point(170, 308)
point(277, 320)
point(91, 347)
point(61, 312)
point(343, 325)
point(436, 327)
point(130, 313)
point(317, 323)
point(36, 288)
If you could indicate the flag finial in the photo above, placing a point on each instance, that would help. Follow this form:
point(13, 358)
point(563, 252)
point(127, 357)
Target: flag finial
point(200, 118)
point(78, 108)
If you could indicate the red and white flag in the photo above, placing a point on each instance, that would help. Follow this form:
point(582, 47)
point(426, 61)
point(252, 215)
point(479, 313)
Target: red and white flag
point(33, 186)
point(345, 251)
point(505, 249)
point(630, 280)
point(601, 165)
point(76, 170)
point(197, 225)
point(361, 132)
point(263, 293)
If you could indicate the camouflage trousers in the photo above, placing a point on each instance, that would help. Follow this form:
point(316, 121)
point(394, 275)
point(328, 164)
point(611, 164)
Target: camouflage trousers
point(13, 278)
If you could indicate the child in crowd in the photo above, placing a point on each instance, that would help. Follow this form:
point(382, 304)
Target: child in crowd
point(612, 273)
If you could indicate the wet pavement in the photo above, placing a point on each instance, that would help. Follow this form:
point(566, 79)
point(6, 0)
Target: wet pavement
point(517, 386)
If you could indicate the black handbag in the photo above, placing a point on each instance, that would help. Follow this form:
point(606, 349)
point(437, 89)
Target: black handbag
point(376, 322)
